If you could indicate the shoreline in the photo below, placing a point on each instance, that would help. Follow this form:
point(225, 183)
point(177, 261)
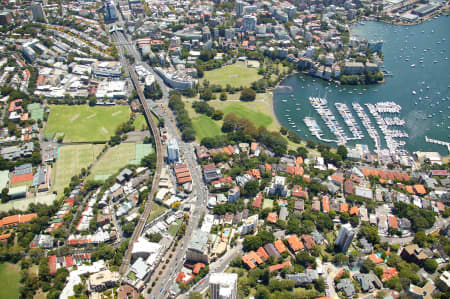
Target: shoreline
point(443, 11)
point(410, 148)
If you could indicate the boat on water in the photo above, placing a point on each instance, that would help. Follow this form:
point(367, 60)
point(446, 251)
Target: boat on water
point(414, 92)
point(413, 65)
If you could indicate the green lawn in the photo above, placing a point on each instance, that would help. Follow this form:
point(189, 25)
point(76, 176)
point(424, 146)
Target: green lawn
point(244, 111)
point(83, 123)
point(71, 159)
point(173, 228)
point(140, 122)
point(120, 154)
point(24, 183)
point(267, 203)
point(237, 74)
point(204, 126)
point(10, 278)
point(157, 210)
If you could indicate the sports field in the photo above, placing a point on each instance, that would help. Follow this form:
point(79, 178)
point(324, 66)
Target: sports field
point(10, 278)
point(83, 123)
point(115, 158)
point(256, 117)
point(205, 126)
point(237, 74)
point(71, 159)
point(23, 203)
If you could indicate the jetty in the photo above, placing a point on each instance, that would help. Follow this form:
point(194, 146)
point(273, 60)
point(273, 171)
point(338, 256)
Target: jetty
point(367, 123)
point(440, 142)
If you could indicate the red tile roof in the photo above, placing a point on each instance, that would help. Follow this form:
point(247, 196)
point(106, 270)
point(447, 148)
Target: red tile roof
point(375, 258)
point(325, 204)
point(297, 191)
point(252, 259)
point(308, 241)
point(343, 207)
point(279, 245)
point(4, 236)
point(290, 169)
point(52, 264)
point(198, 267)
point(354, 211)
point(262, 253)
point(279, 266)
point(258, 200)
point(389, 273)
point(69, 261)
point(393, 222)
point(295, 243)
point(420, 189)
point(272, 217)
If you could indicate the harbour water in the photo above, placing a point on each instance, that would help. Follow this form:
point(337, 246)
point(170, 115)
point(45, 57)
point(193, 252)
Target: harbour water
point(418, 58)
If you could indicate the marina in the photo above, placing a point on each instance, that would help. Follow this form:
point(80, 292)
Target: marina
point(349, 120)
point(320, 105)
point(367, 123)
point(425, 113)
point(389, 134)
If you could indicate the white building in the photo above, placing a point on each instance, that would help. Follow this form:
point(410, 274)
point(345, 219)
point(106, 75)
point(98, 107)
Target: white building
point(223, 286)
point(249, 225)
point(173, 152)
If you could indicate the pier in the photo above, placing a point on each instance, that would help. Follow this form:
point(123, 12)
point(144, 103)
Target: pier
point(440, 142)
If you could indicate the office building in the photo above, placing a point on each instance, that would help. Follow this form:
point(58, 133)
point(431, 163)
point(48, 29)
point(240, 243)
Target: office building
point(240, 8)
point(173, 152)
point(197, 250)
point(110, 11)
point(38, 12)
point(345, 237)
point(223, 286)
point(5, 18)
point(249, 23)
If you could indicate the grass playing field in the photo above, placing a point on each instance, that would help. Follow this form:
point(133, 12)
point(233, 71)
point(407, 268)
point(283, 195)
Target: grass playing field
point(244, 111)
point(10, 278)
point(121, 155)
point(71, 159)
point(237, 74)
point(204, 126)
point(84, 123)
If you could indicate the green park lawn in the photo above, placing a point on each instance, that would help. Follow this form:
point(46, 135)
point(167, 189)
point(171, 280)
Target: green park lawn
point(71, 159)
point(237, 74)
point(82, 123)
point(205, 126)
point(140, 122)
point(268, 203)
point(157, 210)
point(245, 111)
point(120, 154)
point(10, 278)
